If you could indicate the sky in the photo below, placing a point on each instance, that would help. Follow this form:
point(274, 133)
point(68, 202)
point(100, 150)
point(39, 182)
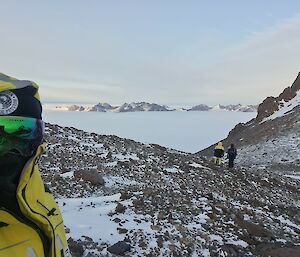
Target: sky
point(168, 52)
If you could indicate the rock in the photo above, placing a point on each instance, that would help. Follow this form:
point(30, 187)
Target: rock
point(137, 203)
point(126, 196)
point(117, 220)
point(229, 250)
point(155, 227)
point(109, 156)
point(120, 208)
point(119, 248)
point(91, 176)
point(160, 241)
point(87, 239)
point(90, 255)
point(161, 215)
point(122, 230)
point(181, 228)
point(143, 244)
point(76, 248)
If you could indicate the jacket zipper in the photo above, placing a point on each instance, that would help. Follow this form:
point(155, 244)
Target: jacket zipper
point(54, 240)
point(35, 160)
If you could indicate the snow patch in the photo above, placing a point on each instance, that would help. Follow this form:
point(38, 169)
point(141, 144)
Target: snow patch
point(285, 108)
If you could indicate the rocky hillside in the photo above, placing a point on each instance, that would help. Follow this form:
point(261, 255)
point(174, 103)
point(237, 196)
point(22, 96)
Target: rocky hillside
point(131, 199)
point(272, 138)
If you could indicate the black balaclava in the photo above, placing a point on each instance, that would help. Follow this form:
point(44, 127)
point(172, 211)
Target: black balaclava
point(11, 166)
point(23, 102)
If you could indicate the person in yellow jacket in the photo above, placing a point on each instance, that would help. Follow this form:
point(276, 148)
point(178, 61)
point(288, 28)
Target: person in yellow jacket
point(31, 223)
point(218, 153)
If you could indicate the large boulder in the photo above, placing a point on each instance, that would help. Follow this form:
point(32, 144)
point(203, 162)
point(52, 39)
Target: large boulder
point(92, 176)
point(119, 248)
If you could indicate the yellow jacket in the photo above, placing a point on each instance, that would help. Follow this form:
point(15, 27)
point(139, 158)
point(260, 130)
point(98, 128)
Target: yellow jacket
point(40, 231)
point(219, 146)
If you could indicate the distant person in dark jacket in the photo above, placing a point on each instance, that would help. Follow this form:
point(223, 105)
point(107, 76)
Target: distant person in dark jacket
point(218, 153)
point(231, 155)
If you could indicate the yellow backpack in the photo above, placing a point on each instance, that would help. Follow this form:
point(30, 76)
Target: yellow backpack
point(40, 231)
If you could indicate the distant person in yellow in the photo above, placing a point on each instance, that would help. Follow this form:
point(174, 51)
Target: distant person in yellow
point(30, 221)
point(218, 153)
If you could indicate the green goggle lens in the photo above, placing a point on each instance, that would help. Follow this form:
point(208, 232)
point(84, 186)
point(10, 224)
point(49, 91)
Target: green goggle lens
point(20, 135)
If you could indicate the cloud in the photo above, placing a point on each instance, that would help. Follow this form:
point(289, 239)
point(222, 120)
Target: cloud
point(79, 90)
point(103, 65)
point(261, 66)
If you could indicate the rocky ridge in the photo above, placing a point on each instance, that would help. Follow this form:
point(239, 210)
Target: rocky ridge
point(272, 138)
point(165, 202)
point(273, 104)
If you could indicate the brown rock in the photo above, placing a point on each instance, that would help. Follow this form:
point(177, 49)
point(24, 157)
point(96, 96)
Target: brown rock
point(76, 248)
point(156, 227)
point(120, 208)
point(92, 176)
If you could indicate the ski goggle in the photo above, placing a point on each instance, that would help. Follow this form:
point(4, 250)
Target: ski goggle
point(20, 135)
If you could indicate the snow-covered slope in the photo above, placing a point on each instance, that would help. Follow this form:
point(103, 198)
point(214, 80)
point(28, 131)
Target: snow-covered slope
point(285, 107)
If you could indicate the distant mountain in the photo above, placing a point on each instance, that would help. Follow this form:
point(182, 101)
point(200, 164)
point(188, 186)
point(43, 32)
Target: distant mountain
point(142, 107)
point(200, 107)
point(231, 107)
point(239, 108)
point(101, 107)
point(74, 108)
point(152, 107)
